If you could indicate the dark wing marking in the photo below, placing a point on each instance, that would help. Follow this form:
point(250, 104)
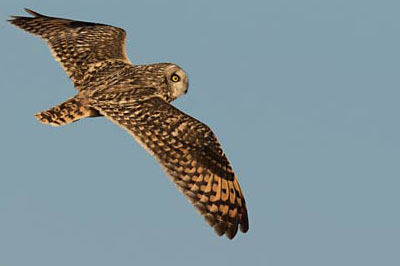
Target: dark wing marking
point(75, 44)
point(189, 152)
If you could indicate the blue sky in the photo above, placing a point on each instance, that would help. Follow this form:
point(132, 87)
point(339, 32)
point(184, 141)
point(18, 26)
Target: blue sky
point(303, 95)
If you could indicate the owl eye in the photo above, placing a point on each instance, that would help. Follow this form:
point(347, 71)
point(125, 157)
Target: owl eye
point(175, 78)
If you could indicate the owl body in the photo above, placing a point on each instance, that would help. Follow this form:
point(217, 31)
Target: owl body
point(103, 77)
point(137, 98)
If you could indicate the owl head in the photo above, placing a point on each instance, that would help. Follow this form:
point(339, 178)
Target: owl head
point(170, 80)
point(177, 80)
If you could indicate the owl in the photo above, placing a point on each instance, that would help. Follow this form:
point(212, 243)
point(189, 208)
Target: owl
point(138, 98)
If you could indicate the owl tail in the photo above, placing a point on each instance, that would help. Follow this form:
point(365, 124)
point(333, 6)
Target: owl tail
point(69, 111)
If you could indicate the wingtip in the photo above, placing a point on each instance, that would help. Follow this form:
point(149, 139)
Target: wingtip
point(33, 13)
point(244, 223)
point(12, 19)
point(231, 232)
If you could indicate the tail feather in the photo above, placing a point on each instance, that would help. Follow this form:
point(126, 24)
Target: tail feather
point(69, 111)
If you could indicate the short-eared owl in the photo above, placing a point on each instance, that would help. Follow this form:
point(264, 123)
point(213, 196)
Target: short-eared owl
point(137, 98)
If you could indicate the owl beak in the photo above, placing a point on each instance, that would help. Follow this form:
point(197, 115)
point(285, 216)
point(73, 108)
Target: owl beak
point(187, 86)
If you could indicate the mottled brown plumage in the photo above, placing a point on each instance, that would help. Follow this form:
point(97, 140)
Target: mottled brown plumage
point(137, 98)
point(69, 111)
point(75, 44)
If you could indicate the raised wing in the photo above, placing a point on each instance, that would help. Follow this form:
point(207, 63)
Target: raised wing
point(189, 152)
point(75, 44)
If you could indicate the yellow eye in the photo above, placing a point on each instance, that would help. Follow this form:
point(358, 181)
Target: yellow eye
point(175, 78)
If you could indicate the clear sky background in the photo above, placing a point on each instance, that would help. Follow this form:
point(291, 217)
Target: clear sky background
point(303, 95)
